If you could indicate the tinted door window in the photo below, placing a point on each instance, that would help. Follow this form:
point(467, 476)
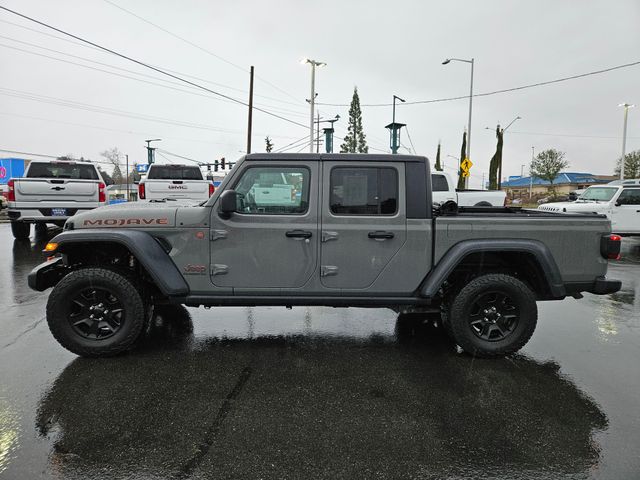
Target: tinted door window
point(439, 183)
point(629, 197)
point(364, 191)
point(273, 190)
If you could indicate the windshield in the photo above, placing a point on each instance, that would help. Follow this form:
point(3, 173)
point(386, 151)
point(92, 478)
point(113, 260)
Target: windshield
point(174, 172)
point(603, 194)
point(62, 170)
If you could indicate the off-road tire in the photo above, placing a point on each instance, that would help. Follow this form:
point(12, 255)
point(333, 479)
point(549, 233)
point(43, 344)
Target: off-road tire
point(460, 311)
point(122, 288)
point(20, 230)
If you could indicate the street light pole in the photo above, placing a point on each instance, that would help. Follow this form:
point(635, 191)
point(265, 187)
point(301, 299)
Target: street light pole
point(151, 157)
point(472, 62)
point(312, 101)
point(626, 106)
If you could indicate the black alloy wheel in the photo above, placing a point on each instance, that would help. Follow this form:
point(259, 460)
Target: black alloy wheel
point(494, 316)
point(96, 313)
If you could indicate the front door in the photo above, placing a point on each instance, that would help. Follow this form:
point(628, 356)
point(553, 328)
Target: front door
point(270, 243)
point(625, 217)
point(363, 223)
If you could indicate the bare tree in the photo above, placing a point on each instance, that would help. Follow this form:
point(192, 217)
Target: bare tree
point(113, 156)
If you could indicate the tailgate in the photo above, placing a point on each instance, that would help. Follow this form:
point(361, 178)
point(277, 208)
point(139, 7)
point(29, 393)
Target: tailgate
point(56, 190)
point(193, 189)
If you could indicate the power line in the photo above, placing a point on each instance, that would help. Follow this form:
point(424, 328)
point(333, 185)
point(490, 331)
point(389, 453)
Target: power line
point(129, 132)
point(495, 92)
point(282, 149)
point(151, 67)
point(410, 141)
point(290, 112)
point(195, 45)
point(240, 90)
point(569, 135)
point(52, 156)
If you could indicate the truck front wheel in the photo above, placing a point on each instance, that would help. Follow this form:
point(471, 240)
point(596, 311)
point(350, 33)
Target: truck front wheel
point(94, 312)
point(20, 230)
point(493, 315)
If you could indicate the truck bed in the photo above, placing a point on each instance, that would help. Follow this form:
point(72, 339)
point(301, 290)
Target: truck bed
point(585, 231)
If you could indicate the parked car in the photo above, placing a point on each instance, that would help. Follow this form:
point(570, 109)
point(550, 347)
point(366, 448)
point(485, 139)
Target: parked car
point(184, 182)
point(444, 190)
point(51, 192)
point(619, 201)
point(361, 232)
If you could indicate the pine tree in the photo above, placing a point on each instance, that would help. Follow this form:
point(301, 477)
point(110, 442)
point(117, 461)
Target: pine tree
point(438, 166)
point(269, 144)
point(354, 140)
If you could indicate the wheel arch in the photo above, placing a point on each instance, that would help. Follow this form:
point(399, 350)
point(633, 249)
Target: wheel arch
point(145, 248)
point(532, 259)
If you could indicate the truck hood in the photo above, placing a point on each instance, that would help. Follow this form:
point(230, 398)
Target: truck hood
point(574, 207)
point(134, 215)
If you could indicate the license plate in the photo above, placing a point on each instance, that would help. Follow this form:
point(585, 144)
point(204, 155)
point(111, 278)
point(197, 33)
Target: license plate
point(58, 212)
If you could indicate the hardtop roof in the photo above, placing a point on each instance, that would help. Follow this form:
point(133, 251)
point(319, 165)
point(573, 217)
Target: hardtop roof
point(337, 157)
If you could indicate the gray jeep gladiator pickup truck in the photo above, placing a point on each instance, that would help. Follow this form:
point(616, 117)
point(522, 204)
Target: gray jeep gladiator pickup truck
point(326, 229)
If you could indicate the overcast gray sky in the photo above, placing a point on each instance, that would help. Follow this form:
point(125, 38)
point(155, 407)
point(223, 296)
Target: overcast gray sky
point(383, 48)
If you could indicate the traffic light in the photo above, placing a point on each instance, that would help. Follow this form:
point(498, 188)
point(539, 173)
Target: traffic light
point(215, 166)
point(222, 162)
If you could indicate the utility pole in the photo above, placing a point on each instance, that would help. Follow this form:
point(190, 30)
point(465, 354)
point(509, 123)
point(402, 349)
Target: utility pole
point(318, 134)
point(328, 134)
point(312, 100)
point(151, 154)
point(250, 124)
point(531, 176)
point(626, 106)
point(126, 176)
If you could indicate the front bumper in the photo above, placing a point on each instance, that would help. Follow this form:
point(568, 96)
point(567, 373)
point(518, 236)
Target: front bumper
point(46, 274)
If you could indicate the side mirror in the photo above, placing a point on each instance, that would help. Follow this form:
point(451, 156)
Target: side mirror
point(228, 203)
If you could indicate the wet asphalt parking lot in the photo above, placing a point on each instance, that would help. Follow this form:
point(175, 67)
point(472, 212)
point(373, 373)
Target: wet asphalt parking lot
point(320, 393)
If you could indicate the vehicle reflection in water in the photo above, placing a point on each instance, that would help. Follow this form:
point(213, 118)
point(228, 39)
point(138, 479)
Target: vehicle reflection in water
point(623, 307)
point(9, 434)
point(27, 254)
point(404, 404)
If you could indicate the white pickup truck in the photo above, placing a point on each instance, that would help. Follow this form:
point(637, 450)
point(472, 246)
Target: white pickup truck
point(444, 190)
point(51, 192)
point(183, 182)
point(618, 200)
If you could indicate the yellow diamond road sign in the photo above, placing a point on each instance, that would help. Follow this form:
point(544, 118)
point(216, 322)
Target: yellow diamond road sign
point(466, 165)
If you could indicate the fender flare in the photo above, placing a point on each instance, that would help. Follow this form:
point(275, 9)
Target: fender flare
point(142, 245)
point(456, 254)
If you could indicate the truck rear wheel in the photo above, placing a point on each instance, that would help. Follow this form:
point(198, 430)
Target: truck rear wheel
point(94, 312)
point(20, 230)
point(492, 316)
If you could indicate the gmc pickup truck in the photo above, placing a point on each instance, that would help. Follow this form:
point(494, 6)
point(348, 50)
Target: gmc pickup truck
point(51, 192)
point(180, 182)
point(444, 190)
point(358, 230)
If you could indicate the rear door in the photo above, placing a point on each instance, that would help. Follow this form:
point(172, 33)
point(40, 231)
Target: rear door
point(270, 244)
point(363, 222)
point(625, 217)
